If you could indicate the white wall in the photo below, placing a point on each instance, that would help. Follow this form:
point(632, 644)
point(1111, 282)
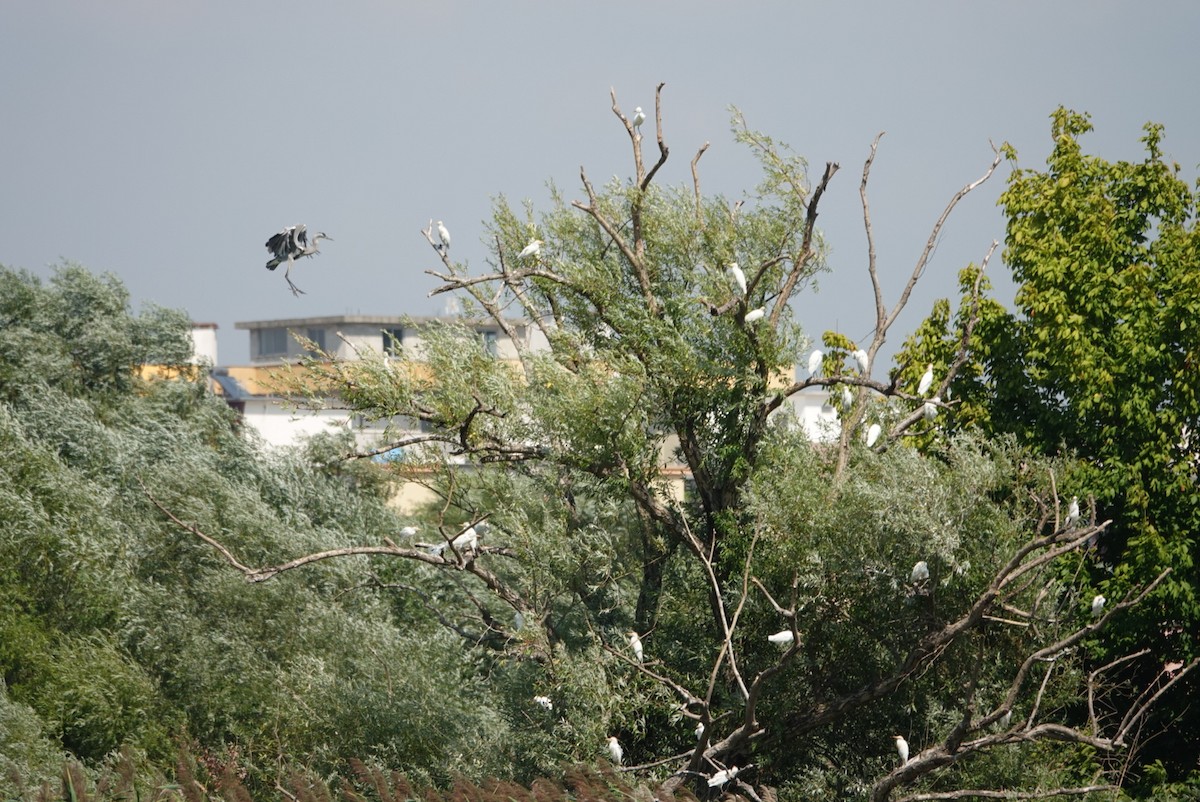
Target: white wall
point(204, 344)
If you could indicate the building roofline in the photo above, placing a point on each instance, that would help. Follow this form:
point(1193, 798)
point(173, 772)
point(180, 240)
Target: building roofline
point(380, 320)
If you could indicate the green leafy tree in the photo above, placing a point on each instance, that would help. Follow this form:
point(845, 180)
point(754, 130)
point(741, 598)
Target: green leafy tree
point(558, 534)
point(1099, 360)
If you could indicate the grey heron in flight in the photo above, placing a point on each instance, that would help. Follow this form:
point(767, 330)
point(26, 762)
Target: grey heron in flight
point(289, 245)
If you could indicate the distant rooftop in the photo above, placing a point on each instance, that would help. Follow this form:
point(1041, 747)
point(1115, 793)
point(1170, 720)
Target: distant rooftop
point(382, 320)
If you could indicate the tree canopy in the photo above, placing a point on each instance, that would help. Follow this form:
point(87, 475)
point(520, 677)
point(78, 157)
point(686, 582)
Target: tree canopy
point(631, 537)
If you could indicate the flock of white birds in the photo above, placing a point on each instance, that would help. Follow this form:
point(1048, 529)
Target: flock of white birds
point(291, 243)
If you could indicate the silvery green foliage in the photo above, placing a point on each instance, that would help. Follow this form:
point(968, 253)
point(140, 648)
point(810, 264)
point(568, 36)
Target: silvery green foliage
point(120, 629)
point(567, 451)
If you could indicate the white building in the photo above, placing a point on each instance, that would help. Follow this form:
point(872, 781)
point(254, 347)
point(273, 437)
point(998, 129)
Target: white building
point(254, 390)
point(351, 336)
point(279, 346)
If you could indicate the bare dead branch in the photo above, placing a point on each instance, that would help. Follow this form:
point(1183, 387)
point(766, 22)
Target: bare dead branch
point(807, 252)
point(696, 182)
point(644, 183)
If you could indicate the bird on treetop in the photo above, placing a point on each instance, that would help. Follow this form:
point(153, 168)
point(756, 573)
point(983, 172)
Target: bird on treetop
point(532, 249)
point(862, 360)
point(814, 362)
point(737, 277)
point(639, 117)
point(926, 380)
point(443, 236)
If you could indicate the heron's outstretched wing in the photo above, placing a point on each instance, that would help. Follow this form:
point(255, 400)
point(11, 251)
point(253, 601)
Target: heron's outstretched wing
point(277, 242)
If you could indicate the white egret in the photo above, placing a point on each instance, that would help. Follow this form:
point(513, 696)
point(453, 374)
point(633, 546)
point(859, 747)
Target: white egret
point(614, 749)
point(863, 361)
point(1098, 605)
point(901, 748)
point(930, 410)
point(639, 117)
point(814, 362)
point(873, 434)
point(754, 315)
point(920, 572)
point(699, 729)
point(1006, 719)
point(723, 776)
point(443, 237)
point(466, 540)
point(847, 396)
point(926, 380)
point(409, 531)
point(635, 643)
point(782, 638)
point(532, 249)
point(737, 277)
point(544, 701)
point(1073, 512)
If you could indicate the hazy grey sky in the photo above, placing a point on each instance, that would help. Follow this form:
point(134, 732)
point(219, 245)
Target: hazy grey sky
point(165, 140)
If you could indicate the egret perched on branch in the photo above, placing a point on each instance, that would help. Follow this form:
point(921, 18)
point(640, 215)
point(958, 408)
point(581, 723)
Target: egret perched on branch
point(926, 380)
point(737, 277)
point(289, 245)
point(532, 249)
point(782, 638)
point(639, 117)
point(443, 237)
point(814, 362)
point(901, 748)
point(1098, 605)
point(847, 396)
point(930, 409)
point(754, 315)
point(466, 540)
point(635, 643)
point(873, 434)
point(1073, 512)
point(544, 701)
point(723, 776)
point(920, 572)
point(863, 361)
point(614, 749)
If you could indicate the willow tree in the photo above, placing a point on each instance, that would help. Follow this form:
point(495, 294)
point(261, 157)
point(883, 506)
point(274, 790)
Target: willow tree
point(641, 355)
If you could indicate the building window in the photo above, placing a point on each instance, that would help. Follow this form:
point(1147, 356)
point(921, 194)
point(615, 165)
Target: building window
point(272, 342)
point(393, 340)
point(318, 340)
point(490, 343)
